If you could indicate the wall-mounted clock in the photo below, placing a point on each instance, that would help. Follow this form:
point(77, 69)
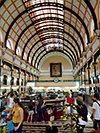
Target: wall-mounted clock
point(56, 80)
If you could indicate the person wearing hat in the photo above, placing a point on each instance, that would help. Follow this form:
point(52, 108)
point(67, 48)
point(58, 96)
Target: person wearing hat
point(96, 111)
point(81, 111)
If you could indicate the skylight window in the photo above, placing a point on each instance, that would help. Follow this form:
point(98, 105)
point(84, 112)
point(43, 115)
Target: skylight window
point(48, 20)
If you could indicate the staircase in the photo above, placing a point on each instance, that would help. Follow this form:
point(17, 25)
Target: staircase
point(41, 127)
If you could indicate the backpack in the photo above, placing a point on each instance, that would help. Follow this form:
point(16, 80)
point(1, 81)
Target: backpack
point(83, 112)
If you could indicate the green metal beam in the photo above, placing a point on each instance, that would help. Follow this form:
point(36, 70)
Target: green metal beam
point(58, 80)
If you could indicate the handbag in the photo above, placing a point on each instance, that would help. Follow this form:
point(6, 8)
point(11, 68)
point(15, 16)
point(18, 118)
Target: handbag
point(10, 126)
point(92, 113)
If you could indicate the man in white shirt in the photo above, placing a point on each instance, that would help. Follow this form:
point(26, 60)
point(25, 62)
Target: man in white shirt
point(96, 111)
point(11, 100)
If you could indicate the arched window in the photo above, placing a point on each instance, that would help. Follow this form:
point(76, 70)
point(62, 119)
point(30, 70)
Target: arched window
point(17, 82)
point(25, 57)
point(33, 62)
point(10, 44)
point(29, 59)
point(92, 27)
point(21, 82)
point(4, 80)
point(5, 66)
point(12, 81)
point(1, 36)
point(86, 39)
point(18, 51)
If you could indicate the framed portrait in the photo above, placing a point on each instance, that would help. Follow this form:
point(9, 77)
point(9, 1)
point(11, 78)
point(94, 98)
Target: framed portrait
point(55, 70)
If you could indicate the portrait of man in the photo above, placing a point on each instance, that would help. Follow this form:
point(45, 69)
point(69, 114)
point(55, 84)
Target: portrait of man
point(55, 70)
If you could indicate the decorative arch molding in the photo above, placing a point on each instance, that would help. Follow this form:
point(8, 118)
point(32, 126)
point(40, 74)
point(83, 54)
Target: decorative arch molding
point(42, 45)
point(7, 34)
point(45, 45)
point(61, 20)
point(53, 51)
point(27, 43)
point(63, 44)
point(92, 12)
point(49, 55)
point(32, 24)
point(87, 2)
point(21, 35)
point(88, 37)
point(44, 38)
point(64, 49)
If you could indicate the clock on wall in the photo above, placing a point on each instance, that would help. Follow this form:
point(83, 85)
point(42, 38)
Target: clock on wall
point(56, 80)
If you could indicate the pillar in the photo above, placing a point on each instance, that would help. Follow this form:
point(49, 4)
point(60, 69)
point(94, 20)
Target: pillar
point(0, 74)
point(84, 76)
point(35, 80)
point(24, 80)
point(95, 76)
point(19, 78)
point(81, 77)
point(32, 77)
point(11, 80)
point(29, 76)
point(89, 80)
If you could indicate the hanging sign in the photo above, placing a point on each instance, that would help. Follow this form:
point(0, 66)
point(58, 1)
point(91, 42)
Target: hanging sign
point(70, 100)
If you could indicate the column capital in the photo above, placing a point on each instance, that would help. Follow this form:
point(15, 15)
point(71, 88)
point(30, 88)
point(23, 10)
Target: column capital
point(76, 66)
point(4, 49)
point(14, 56)
point(81, 59)
point(25, 74)
point(1, 66)
point(21, 61)
point(88, 68)
point(84, 53)
point(97, 31)
point(90, 45)
point(94, 63)
point(11, 70)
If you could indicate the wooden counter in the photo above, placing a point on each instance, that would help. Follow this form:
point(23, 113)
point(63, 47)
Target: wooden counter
point(50, 104)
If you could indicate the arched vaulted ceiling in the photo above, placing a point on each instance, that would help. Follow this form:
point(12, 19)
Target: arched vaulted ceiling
point(39, 27)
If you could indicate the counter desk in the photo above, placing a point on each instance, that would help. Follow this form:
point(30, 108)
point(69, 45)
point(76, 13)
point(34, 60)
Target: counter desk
point(53, 108)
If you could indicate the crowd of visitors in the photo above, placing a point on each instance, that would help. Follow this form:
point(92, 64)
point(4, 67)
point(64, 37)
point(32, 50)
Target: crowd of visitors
point(16, 110)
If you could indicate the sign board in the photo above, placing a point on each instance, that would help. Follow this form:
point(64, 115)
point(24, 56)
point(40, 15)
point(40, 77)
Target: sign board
point(70, 100)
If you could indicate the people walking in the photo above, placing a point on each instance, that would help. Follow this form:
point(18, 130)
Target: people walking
point(96, 111)
point(30, 111)
point(81, 112)
point(40, 106)
point(84, 92)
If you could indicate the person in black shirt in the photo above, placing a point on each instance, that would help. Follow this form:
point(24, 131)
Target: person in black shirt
point(82, 111)
point(40, 108)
